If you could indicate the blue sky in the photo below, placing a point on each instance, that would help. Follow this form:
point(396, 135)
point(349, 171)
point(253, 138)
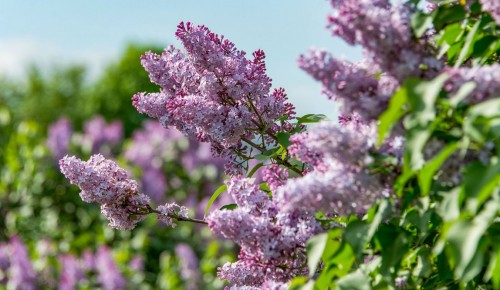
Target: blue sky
point(94, 31)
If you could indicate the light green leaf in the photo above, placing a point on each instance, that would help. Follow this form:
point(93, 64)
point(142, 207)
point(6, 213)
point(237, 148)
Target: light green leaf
point(315, 247)
point(467, 48)
point(354, 281)
point(254, 169)
point(392, 115)
point(214, 196)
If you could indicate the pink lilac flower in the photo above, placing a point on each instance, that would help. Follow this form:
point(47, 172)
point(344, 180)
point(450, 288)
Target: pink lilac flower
point(275, 176)
point(169, 212)
point(109, 276)
point(493, 8)
point(211, 91)
point(22, 275)
point(272, 241)
point(389, 42)
point(104, 182)
point(100, 136)
point(71, 272)
point(59, 137)
point(485, 78)
point(189, 266)
point(357, 87)
point(341, 181)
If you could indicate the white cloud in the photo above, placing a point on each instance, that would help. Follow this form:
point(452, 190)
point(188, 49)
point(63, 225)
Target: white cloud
point(16, 54)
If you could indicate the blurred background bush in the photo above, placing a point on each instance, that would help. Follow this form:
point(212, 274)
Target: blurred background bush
point(49, 238)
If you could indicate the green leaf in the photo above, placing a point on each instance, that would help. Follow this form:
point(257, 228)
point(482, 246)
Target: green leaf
point(284, 139)
point(420, 22)
point(356, 236)
point(311, 118)
point(314, 248)
point(230, 206)
point(467, 47)
point(482, 121)
point(254, 169)
point(462, 93)
point(214, 196)
point(354, 281)
point(426, 174)
point(447, 15)
point(392, 115)
point(449, 208)
point(422, 96)
point(301, 283)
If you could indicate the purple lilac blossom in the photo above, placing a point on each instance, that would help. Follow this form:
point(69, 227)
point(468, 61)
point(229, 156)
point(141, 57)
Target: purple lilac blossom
point(169, 212)
point(493, 8)
point(340, 181)
point(97, 135)
point(485, 78)
point(356, 86)
point(189, 266)
point(275, 176)
point(110, 277)
point(59, 137)
point(104, 182)
point(212, 91)
point(22, 275)
point(154, 184)
point(272, 241)
point(71, 272)
point(388, 43)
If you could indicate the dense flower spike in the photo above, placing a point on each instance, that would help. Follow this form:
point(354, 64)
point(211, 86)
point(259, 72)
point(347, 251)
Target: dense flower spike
point(272, 241)
point(59, 138)
point(71, 273)
point(355, 86)
point(340, 181)
point(100, 179)
point(169, 212)
point(388, 43)
point(211, 92)
point(104, 182)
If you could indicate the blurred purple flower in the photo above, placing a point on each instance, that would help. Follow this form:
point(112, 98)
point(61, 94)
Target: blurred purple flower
point(59, 137)
point(71, 272)
point(100, 137)
point(189, 266)
point(110, 277)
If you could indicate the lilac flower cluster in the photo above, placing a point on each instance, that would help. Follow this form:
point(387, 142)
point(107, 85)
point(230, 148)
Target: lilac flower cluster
point(341, 180)
point(388, 43)
point(59, 137)
point(100, 137)
point(211, 91)
point(103, 181)
point(272, 241)
point(358, 87)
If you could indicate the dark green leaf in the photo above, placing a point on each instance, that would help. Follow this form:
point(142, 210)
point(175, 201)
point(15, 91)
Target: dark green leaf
point(283, 139)
point(426, 174)
point(467, 48)
point(311, 118)
point(230, 206)
point(254, 169)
